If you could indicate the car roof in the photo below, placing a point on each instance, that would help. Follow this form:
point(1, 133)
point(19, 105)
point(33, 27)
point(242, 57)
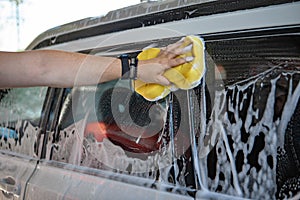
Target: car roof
point(179, 14)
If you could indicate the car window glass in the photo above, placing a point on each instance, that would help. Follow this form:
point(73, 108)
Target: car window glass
point(233, 135)
point(252, 128)
point(20, 114)
point(141, 147)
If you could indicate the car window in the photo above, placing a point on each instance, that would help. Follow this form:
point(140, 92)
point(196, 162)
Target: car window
point(119, 131)
point(20, 114)
point(234, 134)
point(251, 138)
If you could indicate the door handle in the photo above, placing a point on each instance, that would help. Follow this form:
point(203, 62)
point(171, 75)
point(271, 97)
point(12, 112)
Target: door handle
point(9, 187)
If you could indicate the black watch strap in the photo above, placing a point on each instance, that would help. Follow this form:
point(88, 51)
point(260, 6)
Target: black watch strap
point(125, 66)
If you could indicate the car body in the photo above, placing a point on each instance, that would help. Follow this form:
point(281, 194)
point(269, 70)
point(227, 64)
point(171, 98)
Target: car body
point(235, 136)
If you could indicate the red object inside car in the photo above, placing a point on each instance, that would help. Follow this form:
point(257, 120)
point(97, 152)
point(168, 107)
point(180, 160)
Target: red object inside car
point(100, 130)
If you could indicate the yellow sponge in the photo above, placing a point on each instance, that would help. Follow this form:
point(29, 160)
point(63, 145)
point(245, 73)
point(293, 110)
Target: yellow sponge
point(185, 76)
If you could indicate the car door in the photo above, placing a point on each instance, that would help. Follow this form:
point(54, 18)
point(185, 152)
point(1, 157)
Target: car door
point(240, 143)
point(83, 162)
point(21, 111)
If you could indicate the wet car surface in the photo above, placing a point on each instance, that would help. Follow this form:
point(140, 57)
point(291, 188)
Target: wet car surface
point(235, 136)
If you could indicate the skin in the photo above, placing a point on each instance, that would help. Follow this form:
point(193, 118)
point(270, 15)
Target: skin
point(67, 69)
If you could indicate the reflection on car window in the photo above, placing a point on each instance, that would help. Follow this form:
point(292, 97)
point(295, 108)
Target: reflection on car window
point(246, 131)
point(20, 114)
point(121, 132)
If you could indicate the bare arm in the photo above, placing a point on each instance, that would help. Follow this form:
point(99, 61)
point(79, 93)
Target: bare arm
point(68, 69)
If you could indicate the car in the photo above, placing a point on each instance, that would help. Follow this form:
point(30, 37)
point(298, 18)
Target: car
point(234, 136)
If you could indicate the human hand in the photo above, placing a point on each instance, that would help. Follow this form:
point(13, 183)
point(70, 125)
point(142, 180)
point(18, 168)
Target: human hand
point(152, 70)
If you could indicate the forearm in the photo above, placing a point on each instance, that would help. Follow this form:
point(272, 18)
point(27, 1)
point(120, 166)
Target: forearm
point(79, 69)
point(56, 69)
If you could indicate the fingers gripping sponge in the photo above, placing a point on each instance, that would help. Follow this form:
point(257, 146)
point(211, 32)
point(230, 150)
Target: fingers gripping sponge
point(185, 76)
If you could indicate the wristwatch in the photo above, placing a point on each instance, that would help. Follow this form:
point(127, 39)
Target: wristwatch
point(129, 67)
